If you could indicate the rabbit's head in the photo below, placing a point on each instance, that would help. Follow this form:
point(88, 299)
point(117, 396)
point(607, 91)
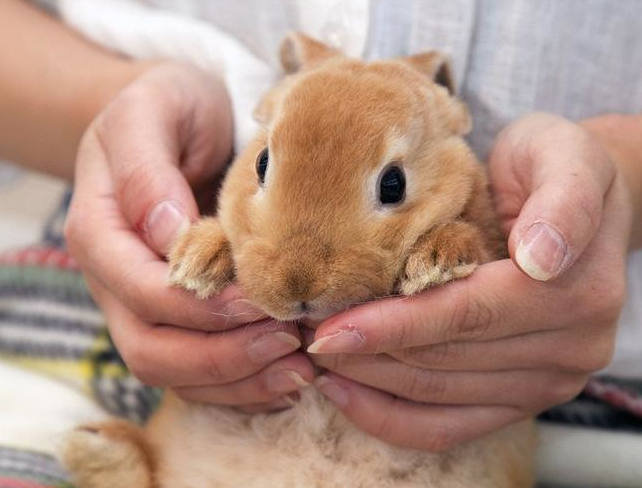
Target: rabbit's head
point(355, 161)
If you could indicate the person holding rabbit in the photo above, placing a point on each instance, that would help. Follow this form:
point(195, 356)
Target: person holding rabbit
point(145, 140)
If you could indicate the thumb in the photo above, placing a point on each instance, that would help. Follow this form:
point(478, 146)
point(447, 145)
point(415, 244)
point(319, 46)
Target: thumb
point(143, 155)
point(564, 177)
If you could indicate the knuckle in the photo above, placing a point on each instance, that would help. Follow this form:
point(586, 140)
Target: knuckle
point(333, 362)
point(135, 179)
point(423, 385)
point(439, 355)
point(403, 333)
point(599, 353)
point(140, 366)
point(564, 389)
point(587, 200)
point(73, 230)
point(556, 128)
point(612, 300)
point(471, 319)
point(139, 297)
point(604, 297)
point(435, 356)
point(399, 336)
point(601, 356)
point(213, 368)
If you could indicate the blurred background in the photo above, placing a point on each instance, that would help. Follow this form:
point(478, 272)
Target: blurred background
point(26, 200)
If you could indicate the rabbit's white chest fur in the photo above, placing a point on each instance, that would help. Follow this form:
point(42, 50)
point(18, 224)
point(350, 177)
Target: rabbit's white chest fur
point(309, 446)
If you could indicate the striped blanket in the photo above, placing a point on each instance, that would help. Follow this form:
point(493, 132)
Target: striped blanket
point(50, 324)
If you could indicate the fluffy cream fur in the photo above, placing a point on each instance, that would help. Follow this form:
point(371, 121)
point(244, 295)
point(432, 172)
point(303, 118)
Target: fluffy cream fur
point(315, 233)
point(308, 446)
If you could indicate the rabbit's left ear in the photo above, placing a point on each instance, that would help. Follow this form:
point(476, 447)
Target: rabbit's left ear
point(435, 65)
point(299, 51)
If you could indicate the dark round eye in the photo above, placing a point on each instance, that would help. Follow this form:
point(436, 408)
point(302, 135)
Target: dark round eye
point(392, 185)
point(262, 164)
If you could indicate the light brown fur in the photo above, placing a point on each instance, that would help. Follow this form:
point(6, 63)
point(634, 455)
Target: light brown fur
point(316, 233)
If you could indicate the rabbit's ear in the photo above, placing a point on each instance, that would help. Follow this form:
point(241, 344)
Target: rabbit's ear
point(299, 51)
point(435, 65)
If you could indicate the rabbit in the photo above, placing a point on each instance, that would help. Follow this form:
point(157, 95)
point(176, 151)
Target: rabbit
point(359, 186)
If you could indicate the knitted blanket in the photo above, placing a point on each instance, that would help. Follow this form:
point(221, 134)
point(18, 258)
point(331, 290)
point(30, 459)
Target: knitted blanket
point(49, 324)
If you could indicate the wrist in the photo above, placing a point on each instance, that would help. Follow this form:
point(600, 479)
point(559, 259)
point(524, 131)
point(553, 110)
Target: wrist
point(621, 137)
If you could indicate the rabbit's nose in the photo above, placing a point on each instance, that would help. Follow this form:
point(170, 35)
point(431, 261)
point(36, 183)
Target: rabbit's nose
point(302, 286)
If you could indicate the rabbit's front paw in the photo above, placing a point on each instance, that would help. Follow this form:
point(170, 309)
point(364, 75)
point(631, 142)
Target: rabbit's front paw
point(448, 252)
point(201, 260)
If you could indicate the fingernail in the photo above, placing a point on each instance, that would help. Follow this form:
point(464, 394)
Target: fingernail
point(332, 390)
point(347, 340)
point(164, 223)
point(271, 346)
point(541, 252)
point(284, 381)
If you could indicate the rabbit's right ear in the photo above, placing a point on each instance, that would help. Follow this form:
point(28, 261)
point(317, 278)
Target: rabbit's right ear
point(299, 51)
point(435, 65)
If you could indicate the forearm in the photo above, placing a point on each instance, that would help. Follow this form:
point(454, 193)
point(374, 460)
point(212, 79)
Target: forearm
point(52, 84)
point(621, 135)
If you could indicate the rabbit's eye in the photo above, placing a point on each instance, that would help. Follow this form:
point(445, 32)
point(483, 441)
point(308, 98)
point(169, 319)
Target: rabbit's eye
point(262, 164)
point(392, 185)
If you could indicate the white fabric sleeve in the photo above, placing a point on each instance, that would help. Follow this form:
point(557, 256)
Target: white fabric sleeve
point(142, 32)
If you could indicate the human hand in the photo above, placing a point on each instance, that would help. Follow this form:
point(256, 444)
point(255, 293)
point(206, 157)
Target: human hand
point(167, 133)
point(464, 359)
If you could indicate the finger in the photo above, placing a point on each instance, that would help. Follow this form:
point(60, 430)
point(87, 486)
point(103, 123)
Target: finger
point(527, 389)
point(171, 356)
point(285, 375)
point(562, 177)
point(573, 350)
point(473, 309)
point(152, 193)
point(153, 139)
point(409, 424)
point(102, 241)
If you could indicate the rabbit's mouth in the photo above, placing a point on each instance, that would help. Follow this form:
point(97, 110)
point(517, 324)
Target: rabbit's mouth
point(307, 311)
point(310, 310)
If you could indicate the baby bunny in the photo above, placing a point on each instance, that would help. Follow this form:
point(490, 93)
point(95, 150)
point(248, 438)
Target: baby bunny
point(360, 186)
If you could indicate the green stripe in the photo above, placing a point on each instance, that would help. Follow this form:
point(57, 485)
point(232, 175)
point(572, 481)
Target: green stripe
point(41, 277)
